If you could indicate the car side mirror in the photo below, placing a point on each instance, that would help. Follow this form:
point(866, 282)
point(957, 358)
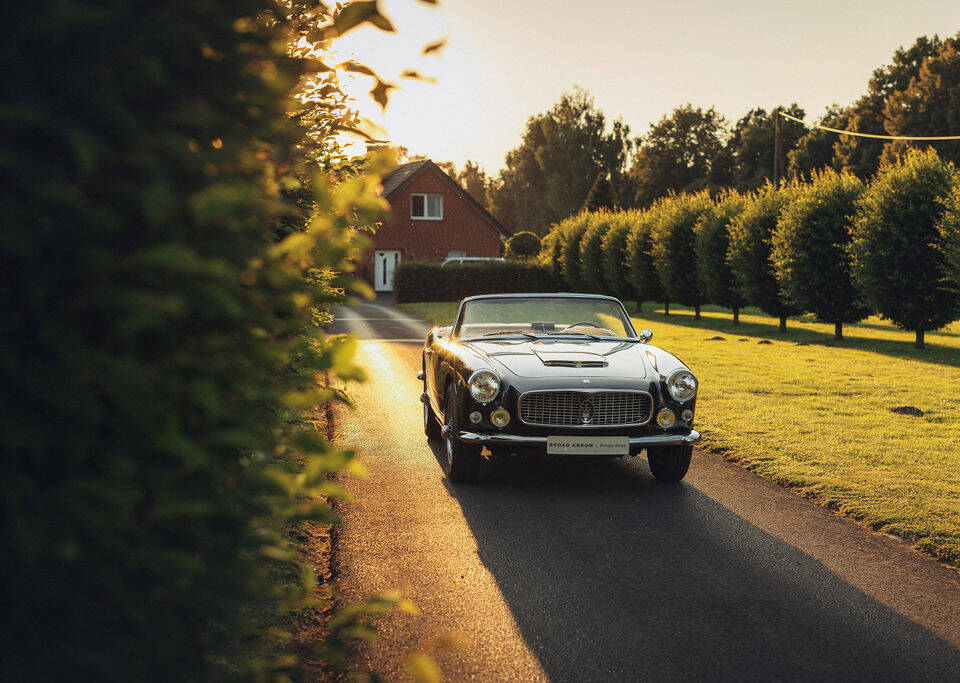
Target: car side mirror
point(646, 334)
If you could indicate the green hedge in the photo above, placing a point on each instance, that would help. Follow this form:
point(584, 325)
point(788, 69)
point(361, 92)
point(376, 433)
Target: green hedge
point(421, 281)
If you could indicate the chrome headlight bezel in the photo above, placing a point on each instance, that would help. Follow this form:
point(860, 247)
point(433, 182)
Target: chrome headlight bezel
point(484, 386)
point(679, 385)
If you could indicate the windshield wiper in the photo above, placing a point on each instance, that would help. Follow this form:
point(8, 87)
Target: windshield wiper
point(581, 334)
point(509, 332)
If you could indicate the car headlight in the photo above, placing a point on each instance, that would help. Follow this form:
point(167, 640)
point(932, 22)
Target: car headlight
point(484, 385)
point(682, 385)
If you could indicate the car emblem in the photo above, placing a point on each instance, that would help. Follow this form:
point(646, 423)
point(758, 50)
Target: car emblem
point(586, 381)
point(586, 412)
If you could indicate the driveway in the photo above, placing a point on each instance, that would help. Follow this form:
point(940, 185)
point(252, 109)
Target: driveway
point(583, 570)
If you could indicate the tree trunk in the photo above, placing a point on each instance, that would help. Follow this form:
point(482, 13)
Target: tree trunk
point(696, 312)
point(736, 315)
point(666, 308)
point(783, 323)
point(919, 343)
point(838, 331)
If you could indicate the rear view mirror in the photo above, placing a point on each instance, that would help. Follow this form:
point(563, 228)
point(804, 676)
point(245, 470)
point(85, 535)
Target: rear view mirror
point(646, 334)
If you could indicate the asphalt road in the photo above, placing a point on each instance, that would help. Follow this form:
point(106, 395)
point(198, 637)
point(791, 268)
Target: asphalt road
point(590, 570)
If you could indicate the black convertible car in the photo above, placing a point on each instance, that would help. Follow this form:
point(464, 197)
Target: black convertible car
point(564, 374)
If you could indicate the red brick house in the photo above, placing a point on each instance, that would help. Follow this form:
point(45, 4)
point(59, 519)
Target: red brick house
point(431, 217)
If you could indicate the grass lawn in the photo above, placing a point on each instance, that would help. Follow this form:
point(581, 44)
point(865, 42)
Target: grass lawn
point(814, 414)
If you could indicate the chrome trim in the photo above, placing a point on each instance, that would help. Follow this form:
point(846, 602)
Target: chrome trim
point(424, 398)
point(499, 385)
point(508, 439)
point(677, 372)
point(653, 406)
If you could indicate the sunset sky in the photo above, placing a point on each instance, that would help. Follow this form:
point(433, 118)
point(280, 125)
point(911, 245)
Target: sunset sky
point(508, 60)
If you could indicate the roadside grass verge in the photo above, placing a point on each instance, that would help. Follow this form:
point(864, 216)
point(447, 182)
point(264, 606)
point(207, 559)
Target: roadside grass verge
point(814, 414)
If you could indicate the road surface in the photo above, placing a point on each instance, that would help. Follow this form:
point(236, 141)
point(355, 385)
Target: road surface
point(575, 571)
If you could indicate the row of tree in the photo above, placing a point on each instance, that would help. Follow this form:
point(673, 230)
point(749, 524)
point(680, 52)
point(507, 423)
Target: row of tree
point(571, 158)
point(834, 246)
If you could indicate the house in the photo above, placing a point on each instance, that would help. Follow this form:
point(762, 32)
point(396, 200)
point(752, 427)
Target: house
point(431, 217)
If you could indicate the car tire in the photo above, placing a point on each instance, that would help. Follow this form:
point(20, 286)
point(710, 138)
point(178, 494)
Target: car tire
point(431, 423)
point(462, 461)
point(669, 463)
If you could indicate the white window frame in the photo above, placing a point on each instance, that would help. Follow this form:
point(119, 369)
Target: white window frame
point(425, 204)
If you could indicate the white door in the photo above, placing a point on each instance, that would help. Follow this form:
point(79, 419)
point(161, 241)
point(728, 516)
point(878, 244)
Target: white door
point(385, 261)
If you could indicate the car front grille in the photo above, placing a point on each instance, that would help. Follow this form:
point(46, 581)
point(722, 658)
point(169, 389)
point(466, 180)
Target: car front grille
point(585, 408)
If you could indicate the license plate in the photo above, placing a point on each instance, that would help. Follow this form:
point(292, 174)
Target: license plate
point(588, 445)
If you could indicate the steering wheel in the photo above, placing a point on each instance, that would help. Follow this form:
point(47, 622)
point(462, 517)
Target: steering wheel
point(579, 325)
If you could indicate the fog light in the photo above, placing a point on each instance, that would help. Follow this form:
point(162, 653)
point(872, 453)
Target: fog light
point(500, 418)
point(666, 418)
point(476, 416)
point(687, 416)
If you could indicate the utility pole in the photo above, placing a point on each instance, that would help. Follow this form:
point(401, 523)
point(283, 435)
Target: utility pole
point(777, 148)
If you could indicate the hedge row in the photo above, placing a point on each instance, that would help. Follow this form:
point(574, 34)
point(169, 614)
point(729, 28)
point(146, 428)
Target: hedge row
point(422, 281)
point(834, 246)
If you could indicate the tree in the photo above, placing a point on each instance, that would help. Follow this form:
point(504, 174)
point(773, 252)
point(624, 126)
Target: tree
point(641, 272)
point(712, 243)
point(950, 234)
point(524, 245)
point(571, 237)
point(897, 245)
point(811, 249)
point(614, 256)
point(591, 251)
point(815, 150)
point(672, 247)
point(600, 195)
point(676, 153)
point(752, 142)
point(471, 178)
point(751, 234)
point(548, 176)
point(861, 156)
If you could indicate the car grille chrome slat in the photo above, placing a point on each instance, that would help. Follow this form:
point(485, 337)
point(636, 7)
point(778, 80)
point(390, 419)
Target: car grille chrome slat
point(587, 408)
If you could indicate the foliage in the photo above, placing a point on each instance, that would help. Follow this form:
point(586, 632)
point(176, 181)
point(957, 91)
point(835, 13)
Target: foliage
point(547, 178)
point(571, 234)
point(551, 247)
point(641, 272)
point(672, 246)
point(811, 249)
point(591, 251)
point(897, 247)
point(471, 178)
point(711, 244)
point(950, 234)
point(676, 153)
point(601, 194)
point(613, 248)
point(424, 281)
point(523, 245)
point(751, 235)
point(751, 145)
point(814, 151)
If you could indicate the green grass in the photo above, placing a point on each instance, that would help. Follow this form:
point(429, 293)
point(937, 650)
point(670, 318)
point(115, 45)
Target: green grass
point(814, 414)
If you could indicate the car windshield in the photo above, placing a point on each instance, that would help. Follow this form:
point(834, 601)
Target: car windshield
point(544, 316)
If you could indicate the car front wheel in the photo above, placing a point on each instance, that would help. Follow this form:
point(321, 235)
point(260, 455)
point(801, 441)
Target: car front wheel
point(669, 463)
point(462, 461)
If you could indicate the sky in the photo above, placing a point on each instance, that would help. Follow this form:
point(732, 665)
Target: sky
point(507, 60)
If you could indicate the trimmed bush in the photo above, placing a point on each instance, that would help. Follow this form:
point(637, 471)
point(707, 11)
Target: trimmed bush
point(640, 271)
point(572, 234)
point(523, 245)
point(898, 247)
point(416, 281)
point(712, 243)
point(751, 236)
point(811, 249)
point(613, 248)
point(672, 247)
point(591, 251)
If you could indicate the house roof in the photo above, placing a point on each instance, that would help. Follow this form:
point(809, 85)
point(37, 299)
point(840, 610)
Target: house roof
point(403, 175)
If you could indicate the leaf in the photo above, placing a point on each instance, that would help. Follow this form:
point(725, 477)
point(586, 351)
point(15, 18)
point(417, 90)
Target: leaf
point(381, 92)
point(422, 668)
point(353, 15)
point(356, 131)
point(415, 75)
point(435, 46)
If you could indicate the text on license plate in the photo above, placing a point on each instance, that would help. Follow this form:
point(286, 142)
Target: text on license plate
point(588, 445)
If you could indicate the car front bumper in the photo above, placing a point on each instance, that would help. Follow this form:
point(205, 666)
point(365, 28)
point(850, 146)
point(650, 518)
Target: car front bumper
point(499, 439)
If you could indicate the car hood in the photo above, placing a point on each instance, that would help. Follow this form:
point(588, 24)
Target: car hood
point(567, 358)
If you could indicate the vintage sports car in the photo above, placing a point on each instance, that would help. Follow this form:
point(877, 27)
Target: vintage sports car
point(564, 374)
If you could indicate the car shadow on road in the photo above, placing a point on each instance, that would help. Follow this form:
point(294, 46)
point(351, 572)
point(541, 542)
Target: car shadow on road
point(611, 575)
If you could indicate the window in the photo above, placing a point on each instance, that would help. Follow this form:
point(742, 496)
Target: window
point(428, 207)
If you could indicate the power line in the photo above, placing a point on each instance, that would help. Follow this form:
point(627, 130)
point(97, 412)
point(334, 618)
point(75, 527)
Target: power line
point(868, 135)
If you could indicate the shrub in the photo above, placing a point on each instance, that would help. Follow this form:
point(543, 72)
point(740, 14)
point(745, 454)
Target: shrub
point(551, 248)
point(572, 235)
point(672, 247)
point(613, 248)
point(523, 245)
point(897, 247)
point(950, 233)
point(591, 251)
point(751, 235)
point(416, 281)
point(712, 243)
point(811, 249)
point(640, 271)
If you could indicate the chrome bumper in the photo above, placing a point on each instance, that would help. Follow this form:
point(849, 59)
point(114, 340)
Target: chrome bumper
point(517, 440)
